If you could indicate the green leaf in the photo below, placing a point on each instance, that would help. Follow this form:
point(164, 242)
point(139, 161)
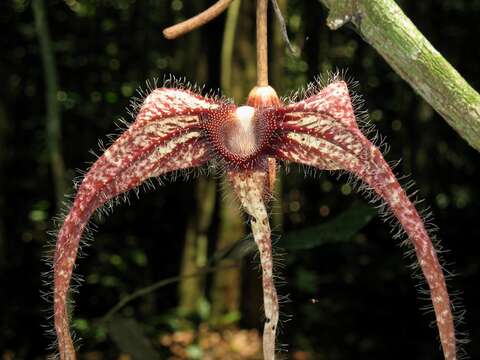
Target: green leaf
point(337, 230)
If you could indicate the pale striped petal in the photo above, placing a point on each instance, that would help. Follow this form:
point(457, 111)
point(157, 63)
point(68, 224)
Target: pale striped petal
point(329, 139)
point(165, 137)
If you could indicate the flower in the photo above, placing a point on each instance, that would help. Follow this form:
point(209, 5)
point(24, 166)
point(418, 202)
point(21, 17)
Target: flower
point(179, 129)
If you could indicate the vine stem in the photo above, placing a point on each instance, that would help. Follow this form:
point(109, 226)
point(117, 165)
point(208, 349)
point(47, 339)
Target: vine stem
point(262, 43)
point(384, 26)
point(195, 22)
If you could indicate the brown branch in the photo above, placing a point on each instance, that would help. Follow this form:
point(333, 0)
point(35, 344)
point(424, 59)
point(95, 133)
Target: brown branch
point(262, 43)
point(201, 19)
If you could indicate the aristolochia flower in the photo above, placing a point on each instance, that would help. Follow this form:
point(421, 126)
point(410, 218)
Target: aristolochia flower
point(179, 129)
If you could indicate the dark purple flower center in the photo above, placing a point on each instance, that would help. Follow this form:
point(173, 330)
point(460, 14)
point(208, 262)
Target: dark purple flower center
point(241, 134)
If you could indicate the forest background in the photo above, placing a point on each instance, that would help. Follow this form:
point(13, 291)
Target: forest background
point(351, 292)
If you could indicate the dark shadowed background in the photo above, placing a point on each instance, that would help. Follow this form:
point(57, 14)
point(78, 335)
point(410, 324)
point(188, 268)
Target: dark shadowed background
point(351, 292)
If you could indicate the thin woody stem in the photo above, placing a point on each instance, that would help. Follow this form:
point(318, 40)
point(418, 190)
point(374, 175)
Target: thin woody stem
point(201, 19)
point(212, 12)
point(262, 43)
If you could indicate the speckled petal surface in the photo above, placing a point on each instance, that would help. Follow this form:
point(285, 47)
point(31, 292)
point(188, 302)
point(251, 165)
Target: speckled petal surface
point(321, 131)
point(164, 137)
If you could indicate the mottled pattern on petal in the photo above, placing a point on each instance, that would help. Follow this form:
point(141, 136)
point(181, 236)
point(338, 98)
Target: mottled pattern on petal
point(176, 129)
point(165, 102)
point(321, 131)
point(333, 101)
point(164, 137)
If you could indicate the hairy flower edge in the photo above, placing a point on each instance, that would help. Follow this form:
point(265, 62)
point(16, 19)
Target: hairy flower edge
point(164, 137)
point(321, 131)
point(167, 135)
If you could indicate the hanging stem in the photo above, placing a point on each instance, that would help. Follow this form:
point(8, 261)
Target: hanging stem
point(262, 43)
point(204, 17)
point(251, 191)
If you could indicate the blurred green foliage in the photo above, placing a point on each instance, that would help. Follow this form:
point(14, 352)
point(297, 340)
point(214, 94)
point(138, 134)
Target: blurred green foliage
point(338, 230)
point(352, 297)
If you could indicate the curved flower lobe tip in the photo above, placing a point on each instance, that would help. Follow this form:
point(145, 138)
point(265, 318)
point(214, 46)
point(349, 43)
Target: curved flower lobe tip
point(165, 136)
point(321, 131)
point(177, 129)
